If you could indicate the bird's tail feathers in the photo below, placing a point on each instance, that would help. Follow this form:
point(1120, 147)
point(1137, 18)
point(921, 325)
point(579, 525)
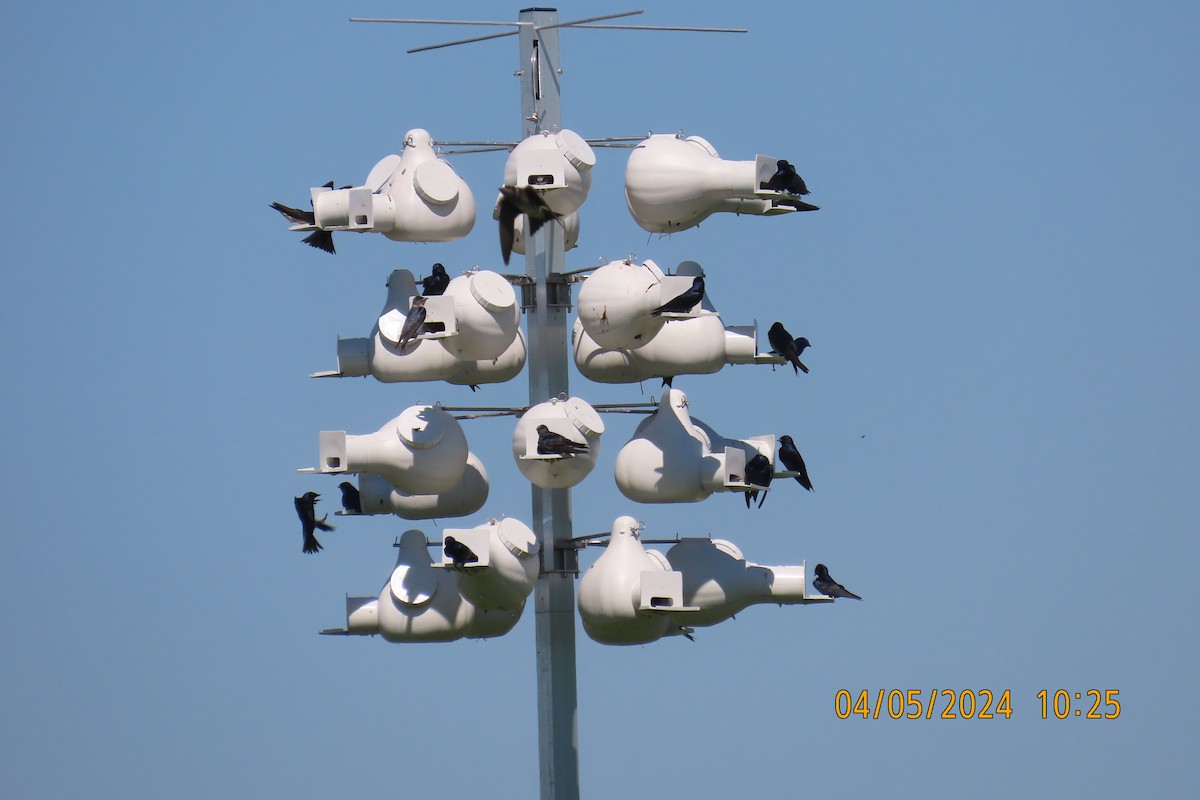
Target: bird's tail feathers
point(322, 240)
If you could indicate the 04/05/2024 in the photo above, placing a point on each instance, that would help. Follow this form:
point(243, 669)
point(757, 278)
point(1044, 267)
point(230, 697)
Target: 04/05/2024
point(971, 704)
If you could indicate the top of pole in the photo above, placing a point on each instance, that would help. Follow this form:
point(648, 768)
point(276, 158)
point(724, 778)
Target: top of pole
point(577, 23)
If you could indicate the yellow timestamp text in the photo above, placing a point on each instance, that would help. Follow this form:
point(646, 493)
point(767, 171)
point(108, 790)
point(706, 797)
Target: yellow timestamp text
point(919, 703)
point(1091, 704)
point(970, 704)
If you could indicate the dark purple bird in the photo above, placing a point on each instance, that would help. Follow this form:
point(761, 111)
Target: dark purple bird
point(351, 501)
point(322, 240)
point(436, 283)
point(785, 179)
point(681, 304)
point(791, 459)
point(306, 508)
point(554, 444)
point(458, 552)
point(412, 323)
point(758, 473)
point(826, 585)
point(515, 201)
point(784, 345)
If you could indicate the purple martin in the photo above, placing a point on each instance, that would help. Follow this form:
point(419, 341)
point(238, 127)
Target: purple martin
point(322, 240)
point(436, 283)
point(828, 586)
point(554, 444)
point(515, 201)
point(758, 473)
point(784, 345)
point(685, 302)
point(791, 458)
point(412, 323)
point(296, 216)
point(351, 501)
point(459, 553)
point(785, 179)
point(306, 508)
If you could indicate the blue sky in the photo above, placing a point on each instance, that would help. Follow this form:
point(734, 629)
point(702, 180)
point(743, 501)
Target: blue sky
point(1000, 422)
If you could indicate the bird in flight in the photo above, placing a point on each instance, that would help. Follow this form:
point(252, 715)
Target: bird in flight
point(554, 444)
point(681, 304)
point(826, 585)
point(758, 473)
point(786, 179)
point(322, 240)
point(793, 461)
point(306, 508)
point(351, 501)
point(412, 323)
point(458, 552)
point(436, 283)
point(784, 345)
point(517, 200)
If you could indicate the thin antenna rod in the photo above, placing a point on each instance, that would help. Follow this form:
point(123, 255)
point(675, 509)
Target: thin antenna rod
point(578, 23)
point(472, 150)
point(478, 144)
point(461, 41)
point(662, 28)
point(440, 22)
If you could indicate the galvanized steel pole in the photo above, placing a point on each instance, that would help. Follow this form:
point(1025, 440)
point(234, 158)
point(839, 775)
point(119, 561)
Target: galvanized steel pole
point(554, 595)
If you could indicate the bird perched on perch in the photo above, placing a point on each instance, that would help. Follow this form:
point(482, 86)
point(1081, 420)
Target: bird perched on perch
point(681, 304)
point(306, 509)
point(412, 323)
point(458, 552)
point(785, 346)
point(786, 179)
point(790, 457)
point(828, 586)
point(555, 444)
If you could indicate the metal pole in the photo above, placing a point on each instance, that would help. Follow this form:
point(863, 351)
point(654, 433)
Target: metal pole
point(554, 595)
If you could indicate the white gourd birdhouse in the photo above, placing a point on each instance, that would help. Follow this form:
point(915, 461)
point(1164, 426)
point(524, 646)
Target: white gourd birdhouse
point(471, 335)
point(412, 197)
point(427, 602)
point(630, 595)
point(422, 451)
point(571, 418)
point(378, 496)
point(673, 458)
point(674, 183)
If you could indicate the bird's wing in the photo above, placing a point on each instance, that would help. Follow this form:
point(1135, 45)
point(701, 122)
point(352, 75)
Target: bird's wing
point(507, 218)
point(296, 216)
